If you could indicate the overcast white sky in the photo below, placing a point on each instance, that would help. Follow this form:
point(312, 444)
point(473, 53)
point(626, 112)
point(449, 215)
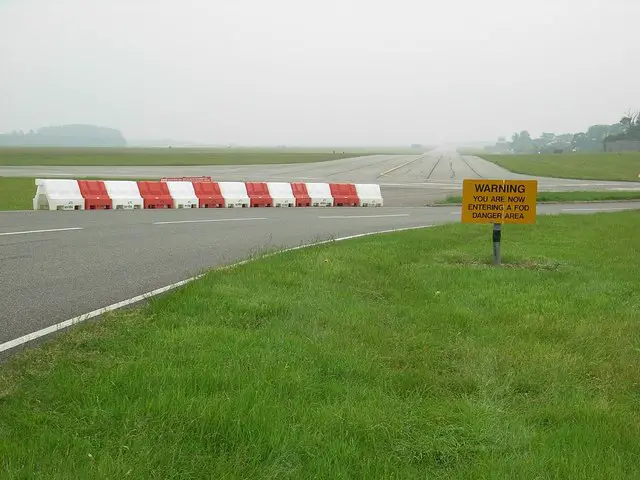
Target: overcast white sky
point(342, 72)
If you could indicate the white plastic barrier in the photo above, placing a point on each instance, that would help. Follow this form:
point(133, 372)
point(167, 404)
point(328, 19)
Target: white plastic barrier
point(369, 194)
point(58, 194)
point(183, 194)
point(281, 194)
point(320, 194)
point(124, 194)
point(234, 194)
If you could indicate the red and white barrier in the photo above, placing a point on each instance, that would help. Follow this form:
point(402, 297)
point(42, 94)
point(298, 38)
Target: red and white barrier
point(281, 194)
point(155, 194)
point(301, 194)
point(209, 194)
point(58, 194)
point(369, 194)
point(95, 195)
point(183, 194)
point(320, 194)
point(66, 194)
point(259, 194)
point(124, 195)
point(235, 194)
point(344, 195)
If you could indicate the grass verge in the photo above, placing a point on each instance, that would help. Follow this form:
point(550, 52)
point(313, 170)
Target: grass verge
point(593, 196)
point(589, 166)
point(175, 156)
point(397, 356)
point(16, 193)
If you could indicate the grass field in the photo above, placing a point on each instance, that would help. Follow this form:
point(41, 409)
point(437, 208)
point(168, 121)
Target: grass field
point(397, 356)
point(590, 166)
point(593, 196)
point(177, 156)
point(16, 193)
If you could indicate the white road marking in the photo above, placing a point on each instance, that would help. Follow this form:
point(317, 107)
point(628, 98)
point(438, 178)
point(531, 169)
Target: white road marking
point(42, 231)
point(209, 220)
point(415, 185)
point(366, 216)
point(81, 318)
point(459, 212)
point(399, 166)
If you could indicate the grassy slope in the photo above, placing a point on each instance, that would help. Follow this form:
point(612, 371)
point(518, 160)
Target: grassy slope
point(174, 156)
point(569, 196)
point(398, 356)
point(592, 166)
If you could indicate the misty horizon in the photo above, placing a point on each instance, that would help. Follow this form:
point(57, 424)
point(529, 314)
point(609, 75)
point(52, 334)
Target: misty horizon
point(332, 73)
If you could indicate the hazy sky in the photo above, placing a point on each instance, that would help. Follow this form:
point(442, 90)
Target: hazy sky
point(319, 72)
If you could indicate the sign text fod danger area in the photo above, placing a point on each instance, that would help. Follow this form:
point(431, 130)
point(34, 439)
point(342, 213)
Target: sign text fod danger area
point(499, 201)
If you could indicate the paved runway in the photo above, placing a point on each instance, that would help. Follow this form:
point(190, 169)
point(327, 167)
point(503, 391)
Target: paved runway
point(57, 265)
point(406, 180)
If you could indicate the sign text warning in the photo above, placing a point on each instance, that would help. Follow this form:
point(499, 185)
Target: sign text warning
point(499, 201)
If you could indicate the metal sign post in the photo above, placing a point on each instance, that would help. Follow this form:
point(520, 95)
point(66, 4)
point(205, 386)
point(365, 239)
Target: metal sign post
point(497, 237)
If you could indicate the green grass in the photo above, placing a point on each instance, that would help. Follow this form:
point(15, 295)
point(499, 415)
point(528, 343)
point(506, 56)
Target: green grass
point(590, 166)
point(593, 196)
point(397, 356)
point(16, 193)
point(177, 156)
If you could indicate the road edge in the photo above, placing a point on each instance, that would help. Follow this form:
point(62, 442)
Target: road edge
point(44, 332)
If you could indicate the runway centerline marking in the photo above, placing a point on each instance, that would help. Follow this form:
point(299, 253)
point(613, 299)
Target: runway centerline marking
point(399, 166)
point(209, 220)
point(366, 216)
point(42, 231)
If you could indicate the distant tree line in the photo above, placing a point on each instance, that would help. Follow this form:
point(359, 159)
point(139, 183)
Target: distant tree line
point(593, 140)
point(631, 128)
point(65, 136)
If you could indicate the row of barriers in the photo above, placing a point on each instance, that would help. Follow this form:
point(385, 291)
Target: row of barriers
point(67, 194)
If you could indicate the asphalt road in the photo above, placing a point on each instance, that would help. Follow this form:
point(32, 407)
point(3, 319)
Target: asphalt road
point(406, 180)
point(57, 265)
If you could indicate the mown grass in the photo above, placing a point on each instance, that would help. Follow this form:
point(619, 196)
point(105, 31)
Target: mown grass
point(16, 193)
point(398, 356)
point(592, 196)
point(176, 156)
point(587, 166)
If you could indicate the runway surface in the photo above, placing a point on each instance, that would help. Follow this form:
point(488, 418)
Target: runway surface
point(406, 180)
point(57, 265)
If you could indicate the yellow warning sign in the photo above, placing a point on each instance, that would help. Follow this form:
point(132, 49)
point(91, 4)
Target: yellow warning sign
point(499, 201)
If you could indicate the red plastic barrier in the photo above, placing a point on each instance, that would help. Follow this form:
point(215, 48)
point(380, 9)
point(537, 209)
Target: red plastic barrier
point(186, 179)
point(259, 194)
point(155, 194)
point(209, 194)
point(95, 195)
point(344, 194)
point(301, 195)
